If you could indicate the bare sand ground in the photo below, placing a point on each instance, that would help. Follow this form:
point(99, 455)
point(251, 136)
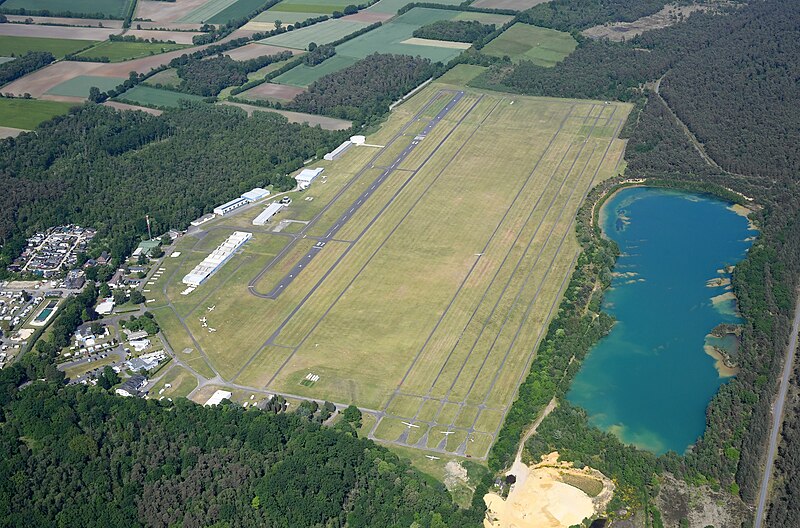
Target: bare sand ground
point(65, 21)
point(724, 370)
point(180, 37)
point(540, 498)
point(7, 132)
point(165, 12)
point(328, 123)
point(62, 32)
point(253, 50)
point(369, 16)
point(619, 31)
point(126, 106)
point(270, 92)
point(437, 43)
point(745, 212)
point(518, 5)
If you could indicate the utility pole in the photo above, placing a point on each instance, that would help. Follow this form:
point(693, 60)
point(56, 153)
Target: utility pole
point(149, 233)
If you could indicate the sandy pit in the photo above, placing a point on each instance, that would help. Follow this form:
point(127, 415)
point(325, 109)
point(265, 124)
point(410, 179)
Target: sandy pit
point(619, 31)
point(7, 132)
point(541, 499)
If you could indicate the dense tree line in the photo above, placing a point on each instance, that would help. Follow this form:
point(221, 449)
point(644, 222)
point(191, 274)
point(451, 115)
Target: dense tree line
point(77, 456)
point(318, 54)
point(108, 169)
point(569, 15)
point(23, 65)
point(208, 77)
point(365, 89)
point(455, 30)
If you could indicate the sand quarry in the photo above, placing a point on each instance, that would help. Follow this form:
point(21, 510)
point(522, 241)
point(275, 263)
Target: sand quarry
point(541, 498)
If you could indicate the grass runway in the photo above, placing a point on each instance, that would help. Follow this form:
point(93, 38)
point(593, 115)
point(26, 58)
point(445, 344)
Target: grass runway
point(429, 309)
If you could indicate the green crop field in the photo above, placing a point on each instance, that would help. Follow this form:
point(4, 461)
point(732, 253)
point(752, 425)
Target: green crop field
point(286, 17)
point(312, 6)
point(87, 8)
point(122, 51)
point(391, 6)
point(475, 227)
point(79, 86)
point(28, 113)
point(542, 46)
point(207, 11)
point(236, 11)
point(322, 33)
point(149, 96)
point(304, 75)
point(59, 47)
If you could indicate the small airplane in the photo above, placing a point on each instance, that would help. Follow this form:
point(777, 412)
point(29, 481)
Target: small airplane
point(478, 254)
point(409, 425)
point(212, 308)
point(203, 320)
point(212, 330)
point(431, 457)
point(447, 432)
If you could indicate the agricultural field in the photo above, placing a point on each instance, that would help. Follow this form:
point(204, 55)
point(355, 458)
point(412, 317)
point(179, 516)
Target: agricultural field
point(10, 45)
point(323, 7)
point(265, 21)
point(168, 77)
point(272, 92)
point(483, 18)
point(427, 304)
point(515, 5)
point(28, 113)
point(392, 6)
point(221, 11)
point(322, 33)
point(394, 36)
point(78, 8)
point(149, 96)
point(79, 86)
point(542, 46)
point(122, 51)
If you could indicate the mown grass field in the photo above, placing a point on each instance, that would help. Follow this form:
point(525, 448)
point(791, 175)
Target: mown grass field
point(58, 47)
point(322, 33)
point(236, 11)
point(542, 46)
point(312, 6)
point(28, 113)
point(304, 75)
point(122, 51)
point(391, 6)
point(79, 86)
point(88, 8)
point(433, 313)
point(149, 96)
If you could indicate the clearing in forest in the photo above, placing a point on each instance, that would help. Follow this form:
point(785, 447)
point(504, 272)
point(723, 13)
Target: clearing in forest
point(542, 46)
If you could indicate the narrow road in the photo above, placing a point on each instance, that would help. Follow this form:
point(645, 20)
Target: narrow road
point(777, 419)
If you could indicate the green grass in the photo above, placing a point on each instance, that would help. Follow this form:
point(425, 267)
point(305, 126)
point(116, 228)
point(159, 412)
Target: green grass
point(238, 10)
point(181, 380)
point(542, 46)
point(149, 96)
point(79, 86)
point(484, 18)
point(286, 17)
point(314, 6)
point(167, 77)
point(322, 33)
point(28, 113)
point(304, 75)
point(461, 74)
point(122, 51)
point(391, 6)
point(79, 8)
point(58, 47)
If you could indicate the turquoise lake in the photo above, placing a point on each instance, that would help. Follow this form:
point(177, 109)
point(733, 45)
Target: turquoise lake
point(649, 381)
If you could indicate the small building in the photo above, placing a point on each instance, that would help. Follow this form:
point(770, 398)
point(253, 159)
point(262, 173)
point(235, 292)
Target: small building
point(139, 344)
point(203, 219)
point(117, 280)
point(217, 398)
point(105, 307)
point(75, 279)
point(358, 140)
point(141, 334)
point(267, 214)
point(338, 151)
point(146, 248)
point(256, 194)
point(216, 259)
point(103, 259)
point(307, 176)
point(132, 387)
point(227, 207)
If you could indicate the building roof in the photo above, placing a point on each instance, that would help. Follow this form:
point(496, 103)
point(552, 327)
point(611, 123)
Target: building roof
point(309, 174)
point(267, 213)
point(232, 203)
point(217, 398)
point(255, 194)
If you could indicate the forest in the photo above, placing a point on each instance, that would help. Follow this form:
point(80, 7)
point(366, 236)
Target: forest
point(455, 30)
point(208, 77)
point(108, 169)
point(569, 15)
point(364, 90)
point(318, 54)
point(78, 456)
point(23, 65)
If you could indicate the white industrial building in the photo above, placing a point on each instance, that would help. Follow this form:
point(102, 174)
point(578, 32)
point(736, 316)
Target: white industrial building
point(338, 151)
point(227, 207)
point(216, 259)
point(267, 213)
point(306, 176)
point(217, 398)
point(105, 307)
point(256, 194)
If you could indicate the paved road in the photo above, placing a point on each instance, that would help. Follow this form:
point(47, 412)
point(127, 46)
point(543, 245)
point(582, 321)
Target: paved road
point(777, 419)
point(348, 214)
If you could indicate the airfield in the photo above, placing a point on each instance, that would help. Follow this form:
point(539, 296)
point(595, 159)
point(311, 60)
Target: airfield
point(439, 255)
